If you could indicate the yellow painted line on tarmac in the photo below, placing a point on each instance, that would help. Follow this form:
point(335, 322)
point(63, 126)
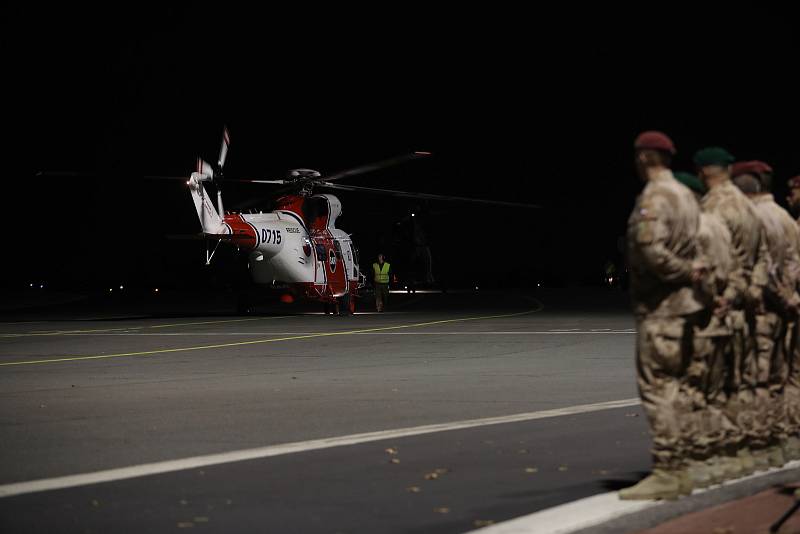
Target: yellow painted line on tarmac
point(262, 341)
point(124, 329)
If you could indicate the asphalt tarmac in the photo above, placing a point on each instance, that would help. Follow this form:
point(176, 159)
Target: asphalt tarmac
point(86, 389)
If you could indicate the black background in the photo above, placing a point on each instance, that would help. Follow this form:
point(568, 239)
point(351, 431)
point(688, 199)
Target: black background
point(529, 104)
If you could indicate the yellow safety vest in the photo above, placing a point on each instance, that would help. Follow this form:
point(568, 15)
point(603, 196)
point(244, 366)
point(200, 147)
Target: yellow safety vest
point(381, 273)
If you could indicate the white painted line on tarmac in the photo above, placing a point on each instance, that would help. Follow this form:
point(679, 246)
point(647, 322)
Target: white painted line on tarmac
point(123, 473)
point(521, 333)
point(594, 510)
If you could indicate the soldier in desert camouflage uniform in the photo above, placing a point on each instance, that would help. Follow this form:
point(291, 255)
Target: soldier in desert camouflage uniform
point(792, 389)
point(754, 178)
point(708, 371)
point(744, 296)
point(665, 271)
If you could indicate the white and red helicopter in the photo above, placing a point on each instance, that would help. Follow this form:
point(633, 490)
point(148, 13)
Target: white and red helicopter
point(297, 245)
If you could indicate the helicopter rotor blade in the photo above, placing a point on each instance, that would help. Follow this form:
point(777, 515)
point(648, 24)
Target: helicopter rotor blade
point(254, 181)
point(363, 169)
point(253, 202)
point(66, 174)
point(223, 150)
point(98, 175)
point(155, 177)
point(203, 167)
point(425, 196)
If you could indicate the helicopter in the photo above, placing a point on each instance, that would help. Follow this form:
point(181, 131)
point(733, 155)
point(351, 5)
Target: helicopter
point(297, 245)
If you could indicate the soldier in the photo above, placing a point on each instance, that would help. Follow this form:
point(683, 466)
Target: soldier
point(665, 271)
point(744, 296)
point(707, 372)
point(792, 389)
point(793, 200)
point(754, 178)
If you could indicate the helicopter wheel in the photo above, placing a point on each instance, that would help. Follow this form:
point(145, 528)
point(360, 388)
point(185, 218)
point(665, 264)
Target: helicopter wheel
point(244, 304)
point(345, 304)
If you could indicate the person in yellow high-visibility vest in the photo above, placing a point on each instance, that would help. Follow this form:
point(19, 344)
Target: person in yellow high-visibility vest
point(381, 270)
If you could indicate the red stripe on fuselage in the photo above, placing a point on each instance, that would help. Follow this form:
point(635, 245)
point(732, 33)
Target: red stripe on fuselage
point(240, 227)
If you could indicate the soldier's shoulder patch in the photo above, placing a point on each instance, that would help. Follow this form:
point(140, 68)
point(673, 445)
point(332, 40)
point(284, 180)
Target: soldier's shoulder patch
point(647, 210)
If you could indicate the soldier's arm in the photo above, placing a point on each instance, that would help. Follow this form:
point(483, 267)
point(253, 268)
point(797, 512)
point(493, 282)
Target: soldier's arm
point(791, 270)
point(736, 286)
point(739, 279)
point(759, 279)
point(651, 234)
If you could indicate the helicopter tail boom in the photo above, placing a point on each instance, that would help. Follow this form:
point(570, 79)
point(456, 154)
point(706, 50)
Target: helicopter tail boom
point(210, 220)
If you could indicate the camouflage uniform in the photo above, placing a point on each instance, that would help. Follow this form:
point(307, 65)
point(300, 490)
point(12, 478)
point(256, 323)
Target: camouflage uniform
point(745, 294)
point(662, 231)
point(708, 372)
point(780, 297)
point(792, 389)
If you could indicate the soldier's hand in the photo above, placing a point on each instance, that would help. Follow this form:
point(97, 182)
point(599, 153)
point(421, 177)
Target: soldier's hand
point(721, 306)
point(695, 371)
point(754, 297)
point(699, 273)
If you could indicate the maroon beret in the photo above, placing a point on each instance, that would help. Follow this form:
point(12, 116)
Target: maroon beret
point(755, 168)
point(655, 141)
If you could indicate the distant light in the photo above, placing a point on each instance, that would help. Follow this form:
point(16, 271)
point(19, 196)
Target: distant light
point(31, 284)
point(41, 286)
point(538, 284)
point(406, 287)
point(121, 287)
point(412, 214)
point(156, 290)
point(110, 289)
point(188, 182)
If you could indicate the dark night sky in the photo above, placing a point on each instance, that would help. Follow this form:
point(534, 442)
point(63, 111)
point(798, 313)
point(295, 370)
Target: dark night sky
point(530, 106)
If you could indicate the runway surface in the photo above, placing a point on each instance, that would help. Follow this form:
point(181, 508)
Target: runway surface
point(84, 391)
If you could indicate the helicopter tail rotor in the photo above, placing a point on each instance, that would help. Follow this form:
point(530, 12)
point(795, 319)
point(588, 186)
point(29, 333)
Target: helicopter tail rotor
point(210, 219)
point(205, 169)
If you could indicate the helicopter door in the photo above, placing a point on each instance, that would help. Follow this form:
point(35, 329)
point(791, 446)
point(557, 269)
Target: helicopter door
point(320, 275)
point(337, 275)
point(349, 260)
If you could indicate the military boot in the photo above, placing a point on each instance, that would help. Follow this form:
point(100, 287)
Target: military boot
point(716, 469)
point(791, 449)
point(733, 468)
point(660, 484)
point(775, 456)
point(699, 474)
point(746, 461)
point(760, 459)
point(685, 484)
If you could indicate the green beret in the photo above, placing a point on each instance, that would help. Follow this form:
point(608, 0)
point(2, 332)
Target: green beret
point(713, 156)
point(691, 181)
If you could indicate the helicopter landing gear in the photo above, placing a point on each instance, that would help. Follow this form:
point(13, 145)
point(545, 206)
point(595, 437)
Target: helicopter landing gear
point(244, 304)
point(346, 304)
